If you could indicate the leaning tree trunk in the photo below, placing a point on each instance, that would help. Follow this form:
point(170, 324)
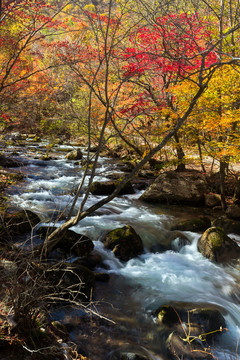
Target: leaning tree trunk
point(53, 238)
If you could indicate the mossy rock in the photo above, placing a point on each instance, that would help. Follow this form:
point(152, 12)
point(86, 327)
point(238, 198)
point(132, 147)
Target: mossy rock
point(71, 242)
point(124, 242)
point(106, 188)
point(215, 245)
point(201, 223)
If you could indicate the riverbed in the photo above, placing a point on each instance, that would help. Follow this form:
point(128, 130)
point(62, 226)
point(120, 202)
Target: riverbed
point(138, 287)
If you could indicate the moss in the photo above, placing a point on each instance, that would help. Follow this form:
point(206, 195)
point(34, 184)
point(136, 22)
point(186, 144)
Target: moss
point(117, 234)
point(128, 231)
point(194, 224)
point(217, 238)
point(167, 315)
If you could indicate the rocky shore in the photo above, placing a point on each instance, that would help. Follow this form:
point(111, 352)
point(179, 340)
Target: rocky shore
point(187, 331)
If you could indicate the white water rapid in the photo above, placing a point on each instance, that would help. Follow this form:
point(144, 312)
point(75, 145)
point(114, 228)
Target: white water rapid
point(152, 279)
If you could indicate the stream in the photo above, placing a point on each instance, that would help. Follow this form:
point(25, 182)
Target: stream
point(138, 287)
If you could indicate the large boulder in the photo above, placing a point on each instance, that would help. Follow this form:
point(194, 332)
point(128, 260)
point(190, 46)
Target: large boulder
point(215, 245)
point(212, 200)
point(71, 242)
point(177, 188)
point(189, 331)
point(74, 155)
point(124, 242)
point(106, 188)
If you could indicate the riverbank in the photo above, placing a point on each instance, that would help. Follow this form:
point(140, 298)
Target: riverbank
point(126, 299)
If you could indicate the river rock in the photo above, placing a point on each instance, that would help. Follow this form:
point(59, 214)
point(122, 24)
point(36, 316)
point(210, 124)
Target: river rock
point(69, 281)
point(124, 242)
point(91, 261)
point(215, 245)
point(106, 188)
point(7, 162)
point(177, 188)
point(92, 148)
point(45, 157)
point(13, 136)
point(103, 277)
point(212, 200)
point(71, 242)
point(233, 212)
point(201, 223)
point(228, 225)
point(189, 329)
point(177, 348)
point(102, 188)
point(202, 320)
point(170, 240)
point(20, 222)
point(74, 155)
point(127, 166)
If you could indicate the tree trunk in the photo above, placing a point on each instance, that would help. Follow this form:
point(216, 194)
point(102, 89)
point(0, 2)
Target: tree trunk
point(200, 156)
point(180, 154)
point(223, 166)
point(55, 237)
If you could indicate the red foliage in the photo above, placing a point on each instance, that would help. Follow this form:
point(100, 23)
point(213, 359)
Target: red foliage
point(175, 44)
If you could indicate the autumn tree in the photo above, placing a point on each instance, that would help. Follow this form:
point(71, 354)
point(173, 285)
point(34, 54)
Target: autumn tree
point(180, 44)
point(24, 26)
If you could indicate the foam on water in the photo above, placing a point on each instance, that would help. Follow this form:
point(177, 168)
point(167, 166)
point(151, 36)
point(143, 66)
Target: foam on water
point(156, 278)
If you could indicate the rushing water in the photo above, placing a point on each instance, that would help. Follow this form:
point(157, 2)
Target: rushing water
point(142, 284)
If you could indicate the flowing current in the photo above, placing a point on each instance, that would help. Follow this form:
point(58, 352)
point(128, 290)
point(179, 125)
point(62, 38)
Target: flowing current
point(141, 285)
